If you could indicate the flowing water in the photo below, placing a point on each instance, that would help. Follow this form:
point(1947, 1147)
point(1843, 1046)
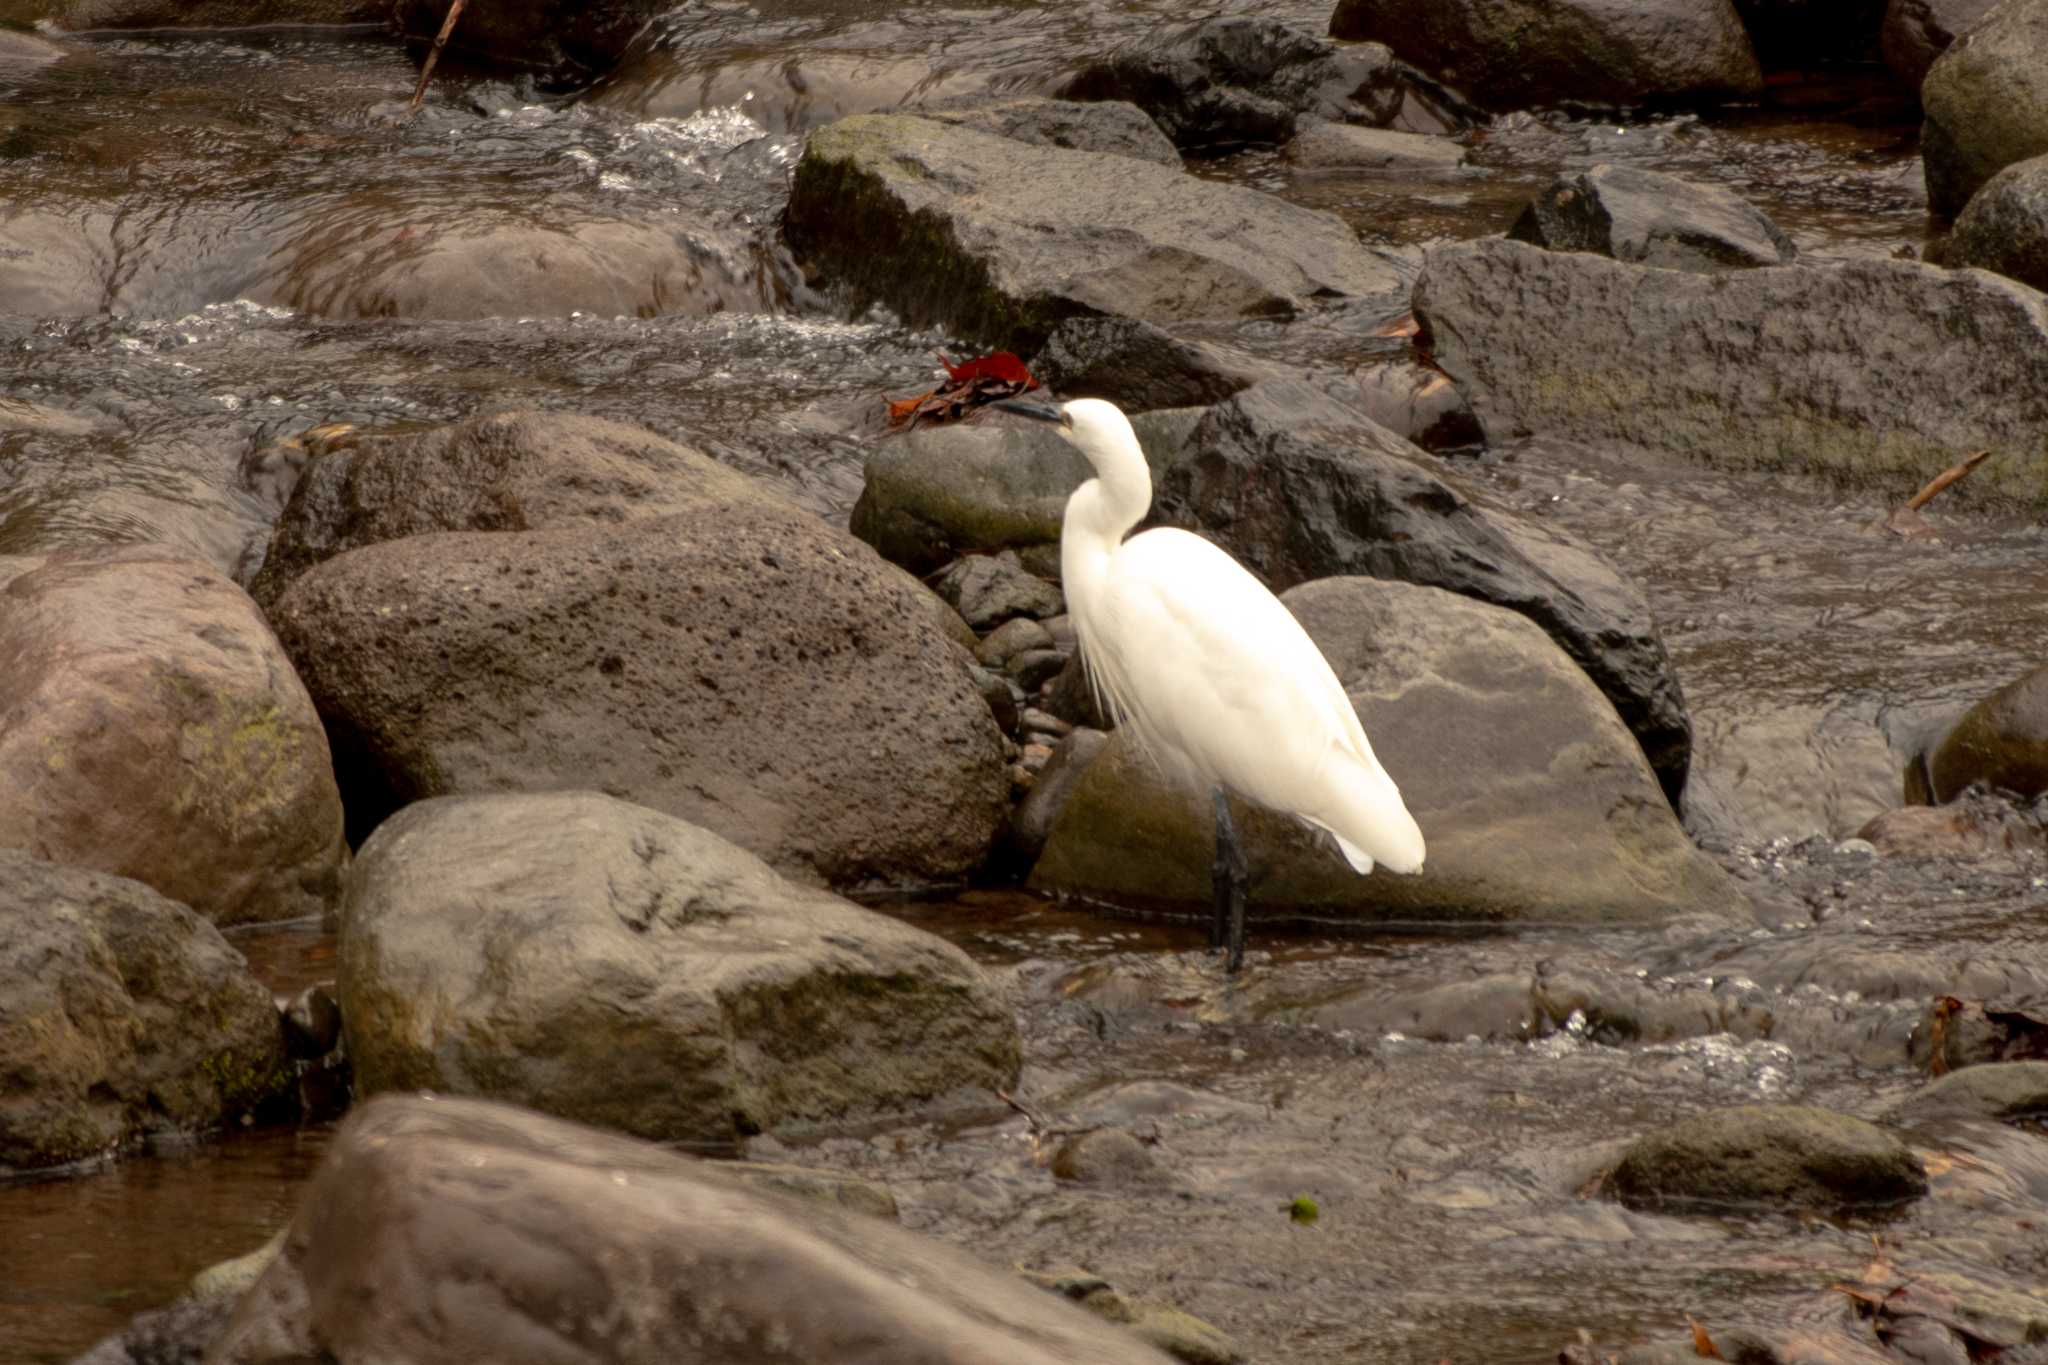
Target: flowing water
point(215, 183)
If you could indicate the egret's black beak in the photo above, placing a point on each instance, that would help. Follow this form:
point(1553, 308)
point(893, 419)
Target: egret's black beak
point(1044, 412)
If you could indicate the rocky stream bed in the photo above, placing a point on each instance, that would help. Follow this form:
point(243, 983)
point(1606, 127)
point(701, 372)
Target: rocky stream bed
point(534, 826)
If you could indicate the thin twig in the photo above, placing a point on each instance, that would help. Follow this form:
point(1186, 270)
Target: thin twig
point(434, 55)
point(1935, 484)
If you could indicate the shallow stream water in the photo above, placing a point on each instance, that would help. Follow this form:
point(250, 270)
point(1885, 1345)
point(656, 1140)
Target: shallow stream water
point(1813, 649)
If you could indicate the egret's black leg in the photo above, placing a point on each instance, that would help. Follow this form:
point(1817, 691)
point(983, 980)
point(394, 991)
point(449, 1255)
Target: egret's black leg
point(1230, 880)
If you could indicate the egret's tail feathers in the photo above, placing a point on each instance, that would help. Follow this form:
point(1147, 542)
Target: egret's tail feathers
point(1370, 823)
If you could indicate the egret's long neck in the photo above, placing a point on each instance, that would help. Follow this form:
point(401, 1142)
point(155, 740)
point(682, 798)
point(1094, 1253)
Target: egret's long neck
point(1099, 515)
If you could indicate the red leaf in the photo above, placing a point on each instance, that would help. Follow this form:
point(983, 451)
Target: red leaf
point(1000, 365)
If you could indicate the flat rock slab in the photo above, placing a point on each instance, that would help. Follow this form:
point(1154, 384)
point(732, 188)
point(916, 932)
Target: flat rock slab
point(1348, 147)
point(615, 965)
point(1535, 801)
point(1877, 373)
point(445, 1230)
point(1785, 1156)
point(1986, 99)
point(1514, 56)
point(999, 240)
point(1083, 126)
point(1652, 218)
point(150, 726)
point(745, 667)
point(122, 1014)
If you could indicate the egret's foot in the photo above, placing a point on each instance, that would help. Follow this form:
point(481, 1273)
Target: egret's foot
point(1230, 881)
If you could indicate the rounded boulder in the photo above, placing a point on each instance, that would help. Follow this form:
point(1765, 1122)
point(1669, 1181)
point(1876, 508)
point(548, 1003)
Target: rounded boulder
point(608, 963)
point(122, 1015)
point(151, 727)
point(1784, 1155)
point(1535, 801)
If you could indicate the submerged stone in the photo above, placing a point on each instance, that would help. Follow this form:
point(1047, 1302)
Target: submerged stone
point(1782, 1156)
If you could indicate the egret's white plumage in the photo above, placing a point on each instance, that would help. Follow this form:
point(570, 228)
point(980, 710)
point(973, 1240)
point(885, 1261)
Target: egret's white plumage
point(1213, 677)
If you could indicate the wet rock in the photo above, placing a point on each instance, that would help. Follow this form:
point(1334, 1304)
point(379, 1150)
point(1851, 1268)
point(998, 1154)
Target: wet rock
point(953, 226)
point(1995, 1090)
point(122, 1015)
point(1535, 801)
point(505, 471)
point(1348, 147)
point(1109, 1157)
point(1299, 486)
point(1971, 826)
point(1083, 126)
point(312, 1021)
point(1415, 402)
point(1000, 695)
point(1788, 1156)
point(21, 53)
point(1012, 638)
point(1577, 52)
point(1074, 700)
point(230, 1279)
point(2000, 1026)
point(1651, 218)
point(938, 493)
point(214, 14)
point(1242, 79)
point(788, 89)
point(1915, 32)
point(711, 665)
point(150, 726)
point(368, 257)
point(1736, 1345)
point(869, 1197)
point(545, 1223)
point(1986, 99)
point(1035, 667)
point(2001, 742)
point(1140, 367)
point(611, 964)
point(180, 1334)
point(2005, 225)
point(1806, 33)
point(1181, 1335)
point(987, 590)
point(56, 265)
point(564, 44)
point(1495, 1006)
point(1766, 369)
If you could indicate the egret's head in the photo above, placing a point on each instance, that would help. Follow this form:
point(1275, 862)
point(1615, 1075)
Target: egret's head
point(1091, 425)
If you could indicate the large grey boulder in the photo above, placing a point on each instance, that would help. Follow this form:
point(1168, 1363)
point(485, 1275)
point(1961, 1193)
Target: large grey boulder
point(1240, 79)
point(1784, 1155)
point(937, 493)
point(615, 965)
point(502, 471)
point(999, 240)
point(122, 1014)
point(1535, 801)
point(743, 666)
point(2002, 742)
point(1993, 1090)
point(1651, 218)
point(2005, 225)
point(1300, 486)
point(1877, 373)
point(1986, 99)
point(444, 1230)
point(152, 727)
point(1510, 56)
point(1916, 32)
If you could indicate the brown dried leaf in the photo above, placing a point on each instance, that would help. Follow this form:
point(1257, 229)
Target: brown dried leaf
point(1702, 1344)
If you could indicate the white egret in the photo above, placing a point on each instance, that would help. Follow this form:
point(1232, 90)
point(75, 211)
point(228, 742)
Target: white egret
point(1211, 676)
